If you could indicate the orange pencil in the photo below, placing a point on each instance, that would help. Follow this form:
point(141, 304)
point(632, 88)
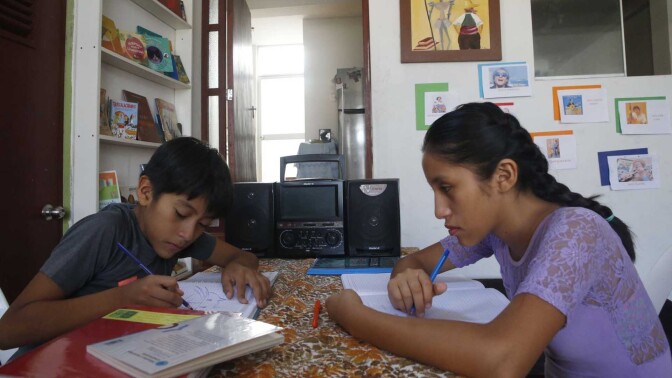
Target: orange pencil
point(316, 313)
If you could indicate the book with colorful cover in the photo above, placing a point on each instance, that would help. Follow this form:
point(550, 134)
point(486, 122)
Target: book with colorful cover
point(66, 355)
point(168, 117)
point(189, 345)
point(159, 55)
point(124, 119)
point(146, 127)
point(110, 36)
point(108, 189)
point(181, 72)
point(104, 114)
point(133, 47)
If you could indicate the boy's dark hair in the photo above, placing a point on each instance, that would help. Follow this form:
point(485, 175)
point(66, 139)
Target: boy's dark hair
point(188, 166)
point(480, 135)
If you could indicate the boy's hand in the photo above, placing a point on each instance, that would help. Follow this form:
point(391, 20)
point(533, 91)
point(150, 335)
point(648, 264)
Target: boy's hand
point(412, 287)
point(238, 275)
point(340, 306)
point(155, 290)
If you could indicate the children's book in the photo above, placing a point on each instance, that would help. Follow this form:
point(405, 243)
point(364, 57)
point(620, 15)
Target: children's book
point(108, 189)
point(465, 300)
point(181, 72)
point(147, 130)
point(104, 114)
point(110, 36)
point(133, 47)
point(204, 292)
point(168, 118)
point(66, 356)
point(124, 119)
point(186, 346)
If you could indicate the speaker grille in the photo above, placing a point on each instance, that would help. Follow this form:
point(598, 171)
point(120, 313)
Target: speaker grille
point(250, 224)
point(373, 225)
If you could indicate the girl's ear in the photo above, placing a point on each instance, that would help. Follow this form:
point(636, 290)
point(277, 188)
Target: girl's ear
point(506, 175)
point(144, 191)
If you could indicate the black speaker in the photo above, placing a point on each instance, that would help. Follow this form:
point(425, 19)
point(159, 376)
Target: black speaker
point(250, 224)
point(372, 218)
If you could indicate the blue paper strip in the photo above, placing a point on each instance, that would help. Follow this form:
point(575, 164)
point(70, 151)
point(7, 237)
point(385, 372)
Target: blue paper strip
point(604, 164)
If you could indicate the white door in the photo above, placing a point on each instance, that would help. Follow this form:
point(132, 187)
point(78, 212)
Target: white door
point(280, 94)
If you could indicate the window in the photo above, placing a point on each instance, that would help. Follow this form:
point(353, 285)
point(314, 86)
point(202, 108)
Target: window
point(280, 97)
point(600, 37)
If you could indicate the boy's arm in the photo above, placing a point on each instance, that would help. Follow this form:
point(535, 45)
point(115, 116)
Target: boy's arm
point(239, 269)
point(41, 312)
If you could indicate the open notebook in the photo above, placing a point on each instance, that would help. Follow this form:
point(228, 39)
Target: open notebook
point(204, 292)
point(343, 265)
point(465, 300)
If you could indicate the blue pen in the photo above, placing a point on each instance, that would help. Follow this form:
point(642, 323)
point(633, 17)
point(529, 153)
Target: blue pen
point(435, 272)
point(149, 272)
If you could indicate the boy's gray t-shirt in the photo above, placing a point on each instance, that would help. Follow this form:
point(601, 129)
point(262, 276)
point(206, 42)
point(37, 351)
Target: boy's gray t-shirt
point(87, 260)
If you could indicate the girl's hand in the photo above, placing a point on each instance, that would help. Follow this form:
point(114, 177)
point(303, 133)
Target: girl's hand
point(340, 306)
point(412, 288)
point(155, 290)
point(239, 276)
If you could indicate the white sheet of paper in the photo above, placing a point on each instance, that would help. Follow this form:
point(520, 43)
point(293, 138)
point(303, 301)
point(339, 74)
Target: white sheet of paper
point(559, 149)
point(650, 117)
point(631, 172)
point(583, 105)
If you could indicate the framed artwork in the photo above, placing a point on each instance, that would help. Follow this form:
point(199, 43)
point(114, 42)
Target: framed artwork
point(450, 30)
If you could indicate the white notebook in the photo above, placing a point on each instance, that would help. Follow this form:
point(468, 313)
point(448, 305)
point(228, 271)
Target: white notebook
point(465, 300)
point(204, 292)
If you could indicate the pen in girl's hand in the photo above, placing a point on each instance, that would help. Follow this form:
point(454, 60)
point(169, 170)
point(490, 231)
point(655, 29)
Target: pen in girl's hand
point(435, 272)
point(143, 267)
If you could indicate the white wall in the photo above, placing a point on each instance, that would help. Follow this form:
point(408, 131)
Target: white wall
point(329, 43)
point(648, 212)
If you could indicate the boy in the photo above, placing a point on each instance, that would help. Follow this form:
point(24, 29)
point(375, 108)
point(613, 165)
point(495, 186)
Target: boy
point(185, 185)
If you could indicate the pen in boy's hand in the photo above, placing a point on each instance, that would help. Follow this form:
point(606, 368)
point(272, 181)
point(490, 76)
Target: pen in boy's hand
point(435, 272)
point(316, 313)
point(143, 267)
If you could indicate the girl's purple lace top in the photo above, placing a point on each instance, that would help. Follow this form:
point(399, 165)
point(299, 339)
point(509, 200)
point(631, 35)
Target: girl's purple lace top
point(577, 263)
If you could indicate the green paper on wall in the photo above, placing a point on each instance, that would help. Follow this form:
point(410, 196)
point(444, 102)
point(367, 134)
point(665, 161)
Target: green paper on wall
point(422, 107)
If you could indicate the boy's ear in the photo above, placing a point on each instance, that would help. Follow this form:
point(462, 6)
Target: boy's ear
point(145, 189)
point(506, 175)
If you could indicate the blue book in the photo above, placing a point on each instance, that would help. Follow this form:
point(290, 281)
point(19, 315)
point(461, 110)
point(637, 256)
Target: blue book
point(343, 265)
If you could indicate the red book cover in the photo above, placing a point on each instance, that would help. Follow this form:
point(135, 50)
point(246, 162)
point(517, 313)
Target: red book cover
point(173, 5)
point(66, 356)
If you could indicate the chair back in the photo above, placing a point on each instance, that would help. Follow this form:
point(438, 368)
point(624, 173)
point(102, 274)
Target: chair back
point(4, 354)
point(658, 282)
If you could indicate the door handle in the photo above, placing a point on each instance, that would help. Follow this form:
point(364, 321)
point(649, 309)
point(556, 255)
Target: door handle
point(50, 212)
point(253, 110)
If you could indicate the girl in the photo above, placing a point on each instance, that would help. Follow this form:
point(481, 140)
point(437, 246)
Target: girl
point(565, 262)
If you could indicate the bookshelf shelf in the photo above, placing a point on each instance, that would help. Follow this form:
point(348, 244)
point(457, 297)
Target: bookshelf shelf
point(164, 14)
point(105, 139)
point(116, 60)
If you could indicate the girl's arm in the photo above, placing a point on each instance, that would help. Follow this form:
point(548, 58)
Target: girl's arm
point(410, 286)
point(506, 347)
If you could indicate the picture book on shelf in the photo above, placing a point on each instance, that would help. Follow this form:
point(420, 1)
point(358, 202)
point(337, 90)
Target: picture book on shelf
point(159, 56)
point(110, 36)
point(186, 346)
point(173, 5)
point(124, 119)
point(67, 355)
point(204, 292)
point(465, 300)
point(181, 72)
point(108, 189)
point(133, 47)
point(146, 127)
point(104, 114)
point(166, 113)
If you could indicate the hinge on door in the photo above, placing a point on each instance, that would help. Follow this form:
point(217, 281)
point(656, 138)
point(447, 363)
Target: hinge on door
point(229, 95)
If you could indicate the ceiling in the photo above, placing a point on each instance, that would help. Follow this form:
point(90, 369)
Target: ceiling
point(305, 8)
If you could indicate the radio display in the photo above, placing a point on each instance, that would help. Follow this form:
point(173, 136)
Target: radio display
point(310, 202)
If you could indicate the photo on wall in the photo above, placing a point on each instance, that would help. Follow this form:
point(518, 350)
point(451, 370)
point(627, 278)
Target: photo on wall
point(498, 80)
point(627, 172)
point(643, 115)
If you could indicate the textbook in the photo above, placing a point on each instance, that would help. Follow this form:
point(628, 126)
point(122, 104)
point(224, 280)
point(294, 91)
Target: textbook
point(186, 346)
point(204, 292)
point(465, 300)
point(66, 356)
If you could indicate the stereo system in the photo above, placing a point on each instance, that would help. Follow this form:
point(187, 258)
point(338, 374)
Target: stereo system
point(300, 219)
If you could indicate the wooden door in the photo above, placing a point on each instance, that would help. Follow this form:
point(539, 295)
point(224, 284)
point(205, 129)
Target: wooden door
point(32, 41)
point(241, 111)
